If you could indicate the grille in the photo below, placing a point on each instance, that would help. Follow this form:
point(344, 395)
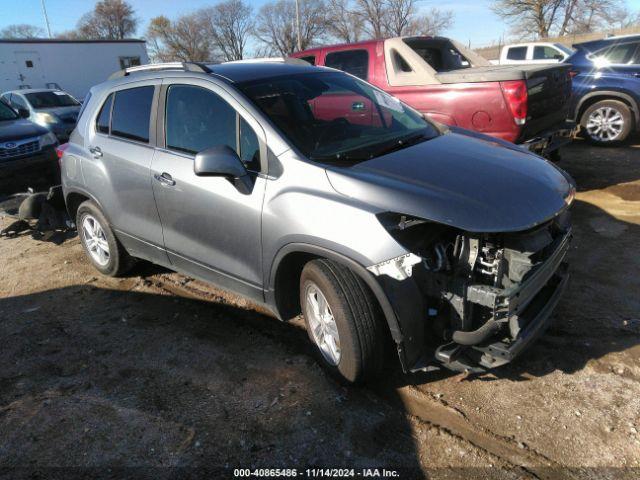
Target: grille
point(26, 148)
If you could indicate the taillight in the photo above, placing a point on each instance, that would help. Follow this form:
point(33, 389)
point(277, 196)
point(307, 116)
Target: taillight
point(515, 94)
point(60, 149)
point(573, 73)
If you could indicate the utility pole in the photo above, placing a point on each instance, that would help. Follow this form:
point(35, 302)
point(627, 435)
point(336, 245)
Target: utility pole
point(46, 18)
point(297, 25)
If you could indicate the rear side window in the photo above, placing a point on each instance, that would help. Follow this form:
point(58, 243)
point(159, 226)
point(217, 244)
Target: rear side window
point(622, 54)
point(131, 113)
point(517, 53)
point(310, 59)
point(102, 122)
point(546, 53)
point(355, 62)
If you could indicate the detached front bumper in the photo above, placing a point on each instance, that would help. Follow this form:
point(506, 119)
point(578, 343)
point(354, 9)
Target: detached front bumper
point(551, 140)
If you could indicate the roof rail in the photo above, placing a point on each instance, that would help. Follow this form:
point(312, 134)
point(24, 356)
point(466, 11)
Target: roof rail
point(183, 66)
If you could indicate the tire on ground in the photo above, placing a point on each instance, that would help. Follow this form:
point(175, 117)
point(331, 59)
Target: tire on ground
point(625, 112)
point(119, 260)
point(358, 317)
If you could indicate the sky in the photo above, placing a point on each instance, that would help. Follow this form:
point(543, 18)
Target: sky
point(474, 21)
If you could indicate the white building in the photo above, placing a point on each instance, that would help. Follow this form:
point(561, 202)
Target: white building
point(72, 65)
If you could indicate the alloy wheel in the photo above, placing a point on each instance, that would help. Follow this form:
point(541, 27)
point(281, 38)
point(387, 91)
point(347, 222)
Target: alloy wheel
point(605, 124)
point(95, 240)
point(322, 324)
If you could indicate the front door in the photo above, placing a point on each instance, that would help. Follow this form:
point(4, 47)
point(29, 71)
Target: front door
point(29, 67)
point(211, 228)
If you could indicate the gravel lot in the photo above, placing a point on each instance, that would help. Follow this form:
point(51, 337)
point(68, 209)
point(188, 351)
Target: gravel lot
point(158, 370)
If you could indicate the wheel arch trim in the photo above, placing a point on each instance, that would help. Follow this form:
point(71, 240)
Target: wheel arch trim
point(609, 95)
point(358, 269)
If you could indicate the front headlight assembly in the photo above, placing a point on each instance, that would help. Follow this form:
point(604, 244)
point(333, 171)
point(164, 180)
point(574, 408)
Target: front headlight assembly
point(44, 118)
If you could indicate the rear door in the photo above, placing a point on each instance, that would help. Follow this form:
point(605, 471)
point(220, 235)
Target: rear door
point(119, 148)
point(212, 230)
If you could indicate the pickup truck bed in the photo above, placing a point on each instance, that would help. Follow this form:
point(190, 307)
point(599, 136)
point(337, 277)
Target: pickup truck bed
point(501, 73)
point(525, 104)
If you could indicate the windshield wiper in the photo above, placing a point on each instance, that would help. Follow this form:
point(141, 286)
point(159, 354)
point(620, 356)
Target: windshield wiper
point(401, 143)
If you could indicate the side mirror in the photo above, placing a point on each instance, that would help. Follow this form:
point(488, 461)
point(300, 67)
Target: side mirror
point(219, 161)
point(24, 113)
point(558, 57)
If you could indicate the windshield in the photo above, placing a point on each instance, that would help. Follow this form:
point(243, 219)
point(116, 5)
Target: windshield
point(51, 100)
point(6, 113)
point(336, 117)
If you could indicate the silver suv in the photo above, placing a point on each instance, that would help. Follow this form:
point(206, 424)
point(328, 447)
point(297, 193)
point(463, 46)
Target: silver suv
point(310, 191)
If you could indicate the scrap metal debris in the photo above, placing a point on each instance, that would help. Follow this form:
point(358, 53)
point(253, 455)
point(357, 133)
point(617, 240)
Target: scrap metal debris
point(41, 213)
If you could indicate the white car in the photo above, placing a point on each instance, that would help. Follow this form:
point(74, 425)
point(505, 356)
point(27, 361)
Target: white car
point(533, 52)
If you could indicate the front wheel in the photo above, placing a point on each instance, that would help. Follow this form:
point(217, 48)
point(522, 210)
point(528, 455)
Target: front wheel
point(607, 122)
point(343, 320)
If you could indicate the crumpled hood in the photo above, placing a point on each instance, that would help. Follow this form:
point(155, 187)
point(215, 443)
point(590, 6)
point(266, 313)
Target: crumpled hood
point(19, 129)
point(471, 183)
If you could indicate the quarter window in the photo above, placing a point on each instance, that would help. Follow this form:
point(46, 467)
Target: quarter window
point(517, 53)
point(102, 123)
point(619, 54)
point(197, 119)
point(355, 62)
point(131, 113)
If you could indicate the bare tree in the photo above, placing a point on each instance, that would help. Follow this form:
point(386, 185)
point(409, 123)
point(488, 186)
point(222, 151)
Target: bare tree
point(544, 18)
point(374, 17)
point(535, 17)
point(186, 39)
point(434, 22)
point(399, 15)
point(22, 30)
point(275, 25)
point(110, 19)
point(622, 17)
point(343, 23)
point(230, 25)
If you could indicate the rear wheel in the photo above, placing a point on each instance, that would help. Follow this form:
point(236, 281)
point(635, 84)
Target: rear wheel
point(104, 250)
point(607, 122)
point(343, 320)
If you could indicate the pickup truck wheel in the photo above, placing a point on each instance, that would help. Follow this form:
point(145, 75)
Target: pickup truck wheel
point(343, 320)
point(104, 250)
point(607, 122)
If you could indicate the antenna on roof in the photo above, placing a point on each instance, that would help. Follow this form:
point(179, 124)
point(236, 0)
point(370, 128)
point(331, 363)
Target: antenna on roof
point(46, 17)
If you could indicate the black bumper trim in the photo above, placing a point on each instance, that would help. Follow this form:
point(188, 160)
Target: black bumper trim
point(500, 353)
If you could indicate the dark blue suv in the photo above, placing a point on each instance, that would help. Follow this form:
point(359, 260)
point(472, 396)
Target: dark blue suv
point(606, 88)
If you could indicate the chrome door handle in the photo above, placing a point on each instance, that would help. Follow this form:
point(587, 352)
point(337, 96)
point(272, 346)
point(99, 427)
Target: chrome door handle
point(165, 179)
point(96, 152)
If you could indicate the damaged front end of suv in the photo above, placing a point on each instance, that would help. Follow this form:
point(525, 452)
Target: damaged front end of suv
point(483, 296)
point(483, 230)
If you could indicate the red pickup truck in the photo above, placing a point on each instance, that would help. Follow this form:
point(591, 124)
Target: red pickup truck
point(525, 104)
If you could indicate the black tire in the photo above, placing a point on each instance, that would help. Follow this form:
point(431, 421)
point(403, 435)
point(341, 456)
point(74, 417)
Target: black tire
point(119, 261)
point(616, 106)
point(357, 315)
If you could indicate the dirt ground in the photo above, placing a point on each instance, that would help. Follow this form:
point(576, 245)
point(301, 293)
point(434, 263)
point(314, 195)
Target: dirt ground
point(157, 370)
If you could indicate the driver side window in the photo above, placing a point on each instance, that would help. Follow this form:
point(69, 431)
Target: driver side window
point(197, 119)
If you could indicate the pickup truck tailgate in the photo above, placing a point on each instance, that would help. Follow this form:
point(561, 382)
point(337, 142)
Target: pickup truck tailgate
point(548, 87)
point(549, 92)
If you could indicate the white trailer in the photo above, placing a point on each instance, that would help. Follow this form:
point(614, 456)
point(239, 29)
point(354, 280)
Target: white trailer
point(71, 65)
